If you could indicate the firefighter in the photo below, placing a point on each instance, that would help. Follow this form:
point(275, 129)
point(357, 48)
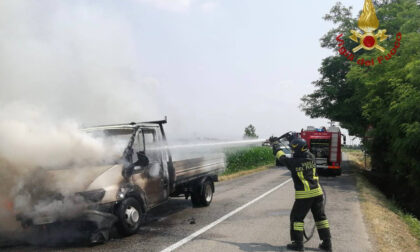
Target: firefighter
point(308, 195)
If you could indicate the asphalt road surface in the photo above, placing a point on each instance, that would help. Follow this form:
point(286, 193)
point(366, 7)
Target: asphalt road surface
point(249, 213)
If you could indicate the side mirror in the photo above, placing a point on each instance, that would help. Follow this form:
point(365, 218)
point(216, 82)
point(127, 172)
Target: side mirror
point(143, 160)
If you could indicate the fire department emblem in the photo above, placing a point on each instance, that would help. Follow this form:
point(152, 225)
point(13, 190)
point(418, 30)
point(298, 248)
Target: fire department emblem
point(368, 23)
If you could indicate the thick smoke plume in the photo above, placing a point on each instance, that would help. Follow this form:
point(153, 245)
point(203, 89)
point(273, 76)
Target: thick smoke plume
point(74, 59)
point(63, 65)
point(31, 144)
point(61, 60)
point(35, 141)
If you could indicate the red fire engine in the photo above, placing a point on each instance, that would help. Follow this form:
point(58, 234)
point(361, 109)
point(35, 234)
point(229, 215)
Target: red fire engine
point(325, 144)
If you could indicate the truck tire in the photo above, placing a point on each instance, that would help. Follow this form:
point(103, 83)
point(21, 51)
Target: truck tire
point(202, 195)
point(195, 199)
point(129, 213)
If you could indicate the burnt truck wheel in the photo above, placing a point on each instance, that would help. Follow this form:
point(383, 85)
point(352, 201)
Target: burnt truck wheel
point(203, 194)
point(129, 215)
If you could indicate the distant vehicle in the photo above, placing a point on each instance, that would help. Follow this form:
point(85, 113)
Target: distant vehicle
point(325, 144)
point(123, 192)
point(266, 143)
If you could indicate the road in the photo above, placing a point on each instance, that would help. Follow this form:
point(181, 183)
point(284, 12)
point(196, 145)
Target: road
point(244, 216)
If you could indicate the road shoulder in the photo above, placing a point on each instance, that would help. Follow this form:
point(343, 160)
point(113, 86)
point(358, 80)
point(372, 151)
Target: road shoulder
point(385, 226)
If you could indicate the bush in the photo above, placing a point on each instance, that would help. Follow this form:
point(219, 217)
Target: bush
point(249, 158)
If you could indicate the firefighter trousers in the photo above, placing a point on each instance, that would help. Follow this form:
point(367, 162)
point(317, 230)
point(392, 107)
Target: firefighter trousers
point(300, 209)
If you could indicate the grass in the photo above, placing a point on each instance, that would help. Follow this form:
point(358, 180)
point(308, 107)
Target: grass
point(243, 173)
point(248, 159)
point(412, 222)
point(390, 227)
point(346, 149)
point(359, 157)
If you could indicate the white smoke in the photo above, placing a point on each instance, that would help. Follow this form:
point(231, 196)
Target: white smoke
point(75, 59)
point(170, 5)
point(36, 141)
point(63, 63)
point(32, 142)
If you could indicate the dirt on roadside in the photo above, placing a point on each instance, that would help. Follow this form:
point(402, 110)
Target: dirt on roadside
point(385, 227)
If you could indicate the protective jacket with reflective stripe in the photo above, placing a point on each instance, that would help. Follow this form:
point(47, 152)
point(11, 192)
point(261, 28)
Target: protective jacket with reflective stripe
point(303, 169)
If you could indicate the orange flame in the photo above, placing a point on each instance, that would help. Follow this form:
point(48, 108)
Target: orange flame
point(368, 22)
point(8, 205)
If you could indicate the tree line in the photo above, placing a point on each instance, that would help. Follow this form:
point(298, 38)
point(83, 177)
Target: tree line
point(379, 103)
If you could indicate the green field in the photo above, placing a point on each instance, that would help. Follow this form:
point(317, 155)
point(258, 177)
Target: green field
point(248, 158)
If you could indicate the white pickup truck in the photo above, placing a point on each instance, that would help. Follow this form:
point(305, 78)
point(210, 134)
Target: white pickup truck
point(122, 192)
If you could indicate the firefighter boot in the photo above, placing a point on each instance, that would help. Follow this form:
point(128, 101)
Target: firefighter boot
point(296, 246)
point(326, 245)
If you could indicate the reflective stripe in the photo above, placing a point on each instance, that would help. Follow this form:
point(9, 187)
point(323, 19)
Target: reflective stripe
point(322, 227)
point(314, 174)
point(308, 194)
point(304, 182)
point(298, 226)
point(316, 177)
point(279, 154)
point(322, 224)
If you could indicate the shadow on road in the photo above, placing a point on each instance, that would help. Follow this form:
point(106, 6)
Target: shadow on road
point(345, 182)
point(67, 238)
point(257, 246)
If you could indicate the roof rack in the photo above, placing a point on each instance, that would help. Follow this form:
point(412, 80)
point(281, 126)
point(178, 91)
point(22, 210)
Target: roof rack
point(159, 122)
point(164, 121)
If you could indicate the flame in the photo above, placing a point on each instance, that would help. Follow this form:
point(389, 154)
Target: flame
point(368, 22)
point(7, 204)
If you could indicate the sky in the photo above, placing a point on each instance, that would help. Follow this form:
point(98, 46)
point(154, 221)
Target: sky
point(212, 66)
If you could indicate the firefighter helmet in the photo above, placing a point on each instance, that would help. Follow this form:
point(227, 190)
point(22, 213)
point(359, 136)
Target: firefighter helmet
point(298, 145)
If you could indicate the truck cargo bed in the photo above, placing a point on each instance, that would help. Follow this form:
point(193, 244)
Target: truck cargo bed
point(190, 169)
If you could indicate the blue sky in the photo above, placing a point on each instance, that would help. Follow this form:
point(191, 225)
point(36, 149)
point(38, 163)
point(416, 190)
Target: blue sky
point(211, 66)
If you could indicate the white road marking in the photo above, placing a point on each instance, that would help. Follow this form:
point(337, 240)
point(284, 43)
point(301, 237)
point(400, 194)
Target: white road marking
point(211, 225)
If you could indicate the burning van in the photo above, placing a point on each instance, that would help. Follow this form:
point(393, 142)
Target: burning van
point(120, 191)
